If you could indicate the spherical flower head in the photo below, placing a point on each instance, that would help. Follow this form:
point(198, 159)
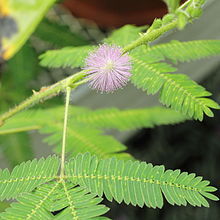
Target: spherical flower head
point(108, 68)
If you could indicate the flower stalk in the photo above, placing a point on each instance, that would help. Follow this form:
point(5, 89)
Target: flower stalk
point(68, 92)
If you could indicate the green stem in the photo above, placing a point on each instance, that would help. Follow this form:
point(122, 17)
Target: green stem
point(80, 83)
point(184, 4)
point(74, 80)
point(150, 36)
point(46, 93)
point(68, 92)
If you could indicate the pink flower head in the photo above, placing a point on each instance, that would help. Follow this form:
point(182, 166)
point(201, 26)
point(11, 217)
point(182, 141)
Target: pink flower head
point(108, 68)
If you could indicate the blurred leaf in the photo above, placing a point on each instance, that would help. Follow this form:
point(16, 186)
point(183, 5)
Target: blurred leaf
point(16, 78)
point(27, 61)
point(59, 35)
point(124, 35)
point(16, 148)
point(172, 4)
point(3, 206)
point(81, 139)
point(23, 17)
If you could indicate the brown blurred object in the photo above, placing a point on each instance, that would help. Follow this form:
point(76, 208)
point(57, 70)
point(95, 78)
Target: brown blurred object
point(115, 13)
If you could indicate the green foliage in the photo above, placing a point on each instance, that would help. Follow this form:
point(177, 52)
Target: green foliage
point(79, 139)
point(3, 206)
point(176, 90)
point(39, 190)
point(76, 192)
point(23, 73)
point(107, 118)
point(75, 202)
point(178, 51)
point(13, 77)
point(26, 176)
point(74, 56)
point(16, 148)
point(66, 57)
point(31, 205)
point(124, 35)
point(113, 118)
point(58, 34)
point(84, 131)
point(82, 139)
point(138, 183)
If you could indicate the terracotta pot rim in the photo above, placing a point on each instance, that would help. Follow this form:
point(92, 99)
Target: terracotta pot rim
point(105, 17)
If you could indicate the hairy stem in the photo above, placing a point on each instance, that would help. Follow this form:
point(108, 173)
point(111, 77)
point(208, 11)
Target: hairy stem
point(154, 34)
point(68, 92)
point(43, 94)
point(74, 80)
point(150, 36)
